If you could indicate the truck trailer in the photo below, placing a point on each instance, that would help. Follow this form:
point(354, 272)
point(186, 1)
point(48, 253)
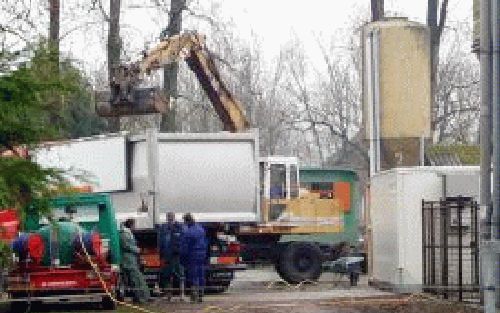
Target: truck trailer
point(222, 181)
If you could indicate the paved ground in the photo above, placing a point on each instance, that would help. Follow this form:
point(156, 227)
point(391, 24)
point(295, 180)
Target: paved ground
point(264, 285)
point(260, 291)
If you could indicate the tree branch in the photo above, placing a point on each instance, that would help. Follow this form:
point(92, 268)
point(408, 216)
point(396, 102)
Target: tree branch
point(66, 33)
point(442, 18)
point(339, 134)
point(9, 30)
point(207, 18)
point(103, 12)
point(450, 113)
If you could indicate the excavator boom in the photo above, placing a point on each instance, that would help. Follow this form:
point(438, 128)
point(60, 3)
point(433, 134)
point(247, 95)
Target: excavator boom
point(127, 98)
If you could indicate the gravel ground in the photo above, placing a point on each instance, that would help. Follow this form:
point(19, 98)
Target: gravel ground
point(260, 291)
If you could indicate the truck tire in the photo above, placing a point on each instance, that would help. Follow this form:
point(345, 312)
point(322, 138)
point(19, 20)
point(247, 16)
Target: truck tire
point(19, 307)
point(220, 288)
point(108, 303)
point(299, 261)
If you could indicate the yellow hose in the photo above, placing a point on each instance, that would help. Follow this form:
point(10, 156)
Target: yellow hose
point(95, 268)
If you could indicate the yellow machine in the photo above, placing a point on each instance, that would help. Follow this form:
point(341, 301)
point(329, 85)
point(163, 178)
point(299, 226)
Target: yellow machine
point(285, 208)
point(284, 212)
point(288, 209)
point(128, 98)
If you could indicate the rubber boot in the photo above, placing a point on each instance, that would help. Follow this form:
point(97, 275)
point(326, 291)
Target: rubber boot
point(182, 287)
point(194, 294)
point(200, 294)
point(169, 290)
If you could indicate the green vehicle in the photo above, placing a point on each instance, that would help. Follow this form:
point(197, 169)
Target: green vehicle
point(52, 265)
point(299, 256)
point(332, 180)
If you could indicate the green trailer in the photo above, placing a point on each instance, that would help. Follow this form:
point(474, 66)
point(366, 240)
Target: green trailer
point(319, 179)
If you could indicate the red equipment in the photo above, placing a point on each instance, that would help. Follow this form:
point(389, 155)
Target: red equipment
point(29, 247)
point(9, 225)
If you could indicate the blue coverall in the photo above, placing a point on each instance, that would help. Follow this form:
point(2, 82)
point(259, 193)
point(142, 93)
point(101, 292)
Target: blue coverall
point(169, 242)
point(194, 254)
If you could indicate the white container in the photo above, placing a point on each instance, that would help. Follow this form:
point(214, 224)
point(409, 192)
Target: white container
point(395, 208)
point(212, 175)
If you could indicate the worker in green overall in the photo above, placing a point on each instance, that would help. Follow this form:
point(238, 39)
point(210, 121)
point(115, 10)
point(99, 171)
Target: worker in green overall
point(130, 264)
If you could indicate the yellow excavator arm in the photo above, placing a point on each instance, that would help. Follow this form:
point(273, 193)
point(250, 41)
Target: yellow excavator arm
point(127, 98)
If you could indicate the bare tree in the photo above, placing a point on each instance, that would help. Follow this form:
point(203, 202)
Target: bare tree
point(170, 70)
point(457, 91)
point(296, 68)
point(436, 27)
point(54, 12)
point(113, 47)
point(114, 41)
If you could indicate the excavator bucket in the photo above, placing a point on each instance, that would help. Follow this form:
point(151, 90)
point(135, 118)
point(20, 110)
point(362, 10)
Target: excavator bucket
point(137, 102)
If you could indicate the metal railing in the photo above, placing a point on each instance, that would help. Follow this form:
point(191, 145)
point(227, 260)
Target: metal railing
point(450, 248)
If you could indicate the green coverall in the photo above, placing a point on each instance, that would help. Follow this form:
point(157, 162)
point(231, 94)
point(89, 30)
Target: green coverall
point(130, 266)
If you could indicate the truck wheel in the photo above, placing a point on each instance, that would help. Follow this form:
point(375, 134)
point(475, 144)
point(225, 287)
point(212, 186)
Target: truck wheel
point(300, 261)
point(19, 307)
point(108, 303)
point(220, 288)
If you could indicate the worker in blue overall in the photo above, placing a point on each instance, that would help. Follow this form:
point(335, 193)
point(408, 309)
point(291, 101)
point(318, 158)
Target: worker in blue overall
point(169, 236)
point(194, 256)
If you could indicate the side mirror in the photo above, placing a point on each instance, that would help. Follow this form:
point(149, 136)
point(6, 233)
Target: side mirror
point(101, 207)
point(69, 209)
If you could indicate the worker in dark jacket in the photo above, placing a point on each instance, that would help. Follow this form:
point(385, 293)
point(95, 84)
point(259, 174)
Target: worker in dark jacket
point(169, 244)
point(130, 265)
point(193, 256)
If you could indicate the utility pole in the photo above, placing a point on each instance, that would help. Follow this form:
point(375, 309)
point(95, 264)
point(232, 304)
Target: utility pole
point(495, 103)
point(490, 125)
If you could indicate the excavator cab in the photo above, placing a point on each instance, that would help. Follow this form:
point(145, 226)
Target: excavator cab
point(279, 177)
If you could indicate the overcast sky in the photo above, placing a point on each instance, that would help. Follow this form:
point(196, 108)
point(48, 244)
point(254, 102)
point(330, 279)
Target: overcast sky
point(273, 22)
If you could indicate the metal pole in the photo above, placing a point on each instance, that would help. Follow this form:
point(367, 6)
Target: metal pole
point(485, 138)
point(495, 103)
point(485, 117)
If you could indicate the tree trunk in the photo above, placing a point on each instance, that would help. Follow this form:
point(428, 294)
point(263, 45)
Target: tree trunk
point(377, 8)
point(436, 29)
point(54, 9)
point(432, 24)
point(170, 70)
point(114, 50)
point(114, 42)
point(55, 117)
